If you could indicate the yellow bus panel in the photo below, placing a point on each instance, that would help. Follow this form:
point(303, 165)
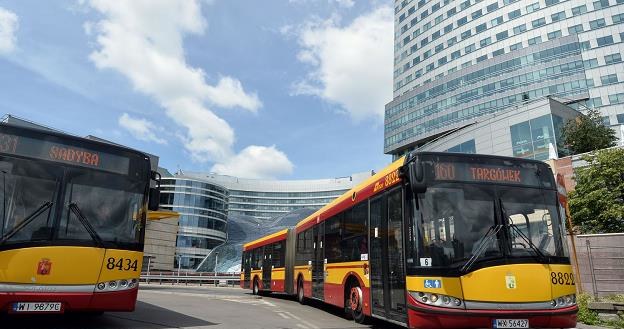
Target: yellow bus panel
point(508, 283)
point(336, 273)
point(450, 286)
point(67, 265)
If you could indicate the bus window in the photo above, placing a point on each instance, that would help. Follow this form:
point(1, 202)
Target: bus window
point(278, 254)
point(333, 239)
point(28, 189)
point(355, 240)
point(534, 216)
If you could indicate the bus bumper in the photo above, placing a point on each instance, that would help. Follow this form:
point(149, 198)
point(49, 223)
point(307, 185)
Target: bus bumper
point(117, 301)
point(434, 318)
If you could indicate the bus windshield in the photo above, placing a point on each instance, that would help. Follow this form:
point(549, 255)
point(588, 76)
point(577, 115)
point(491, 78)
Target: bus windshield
point(459, 223)
point(37, 198)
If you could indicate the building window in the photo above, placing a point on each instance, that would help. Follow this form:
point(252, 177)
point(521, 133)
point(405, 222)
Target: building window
point(462, 21)
point(515, 46)
point(477, 14)
point(498, 52)
point(503, 35)
point(601, 4)
point(534, 41)
point(590, 63)
point(519, 29)
point(481, 27)
point(554, 35)
point(532, 7)
point(594, 102)
point(485, 42)
point(452, 41)
point(613, 58)
point(455, 54)
point(585, 45)
point(466, 34)
point(616, 99)
point(575, 29)
point(579, 10)
point(619, 18)
point(609, 79)
point(551, 2)
point(514, 14)
point(448, 28)
point(469, 48)
point(605, 41)
point(481, 58)
point(558, 16)
point(538, 22)
point(596, 24)
point(492, 7)
point(620, 118)
point(496, 21)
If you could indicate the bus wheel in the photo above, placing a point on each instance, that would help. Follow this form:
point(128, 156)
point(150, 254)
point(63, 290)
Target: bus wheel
point(300, 296)
point(355, 303)
point(255, 289)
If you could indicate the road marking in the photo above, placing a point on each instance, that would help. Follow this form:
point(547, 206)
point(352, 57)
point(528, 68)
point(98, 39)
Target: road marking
point(309, 324)
point(283, 315)
point(301, 326)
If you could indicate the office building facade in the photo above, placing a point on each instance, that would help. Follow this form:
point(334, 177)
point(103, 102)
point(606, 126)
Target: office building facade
point(203, 209)
point(458, 61)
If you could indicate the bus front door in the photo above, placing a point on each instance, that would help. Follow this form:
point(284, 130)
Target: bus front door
point(246, 268)
point(318, 265)
point(387, 270)
point(267, 266)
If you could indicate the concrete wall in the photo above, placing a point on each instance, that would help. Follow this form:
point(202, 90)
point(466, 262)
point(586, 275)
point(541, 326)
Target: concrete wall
point(604, 274)
point(160, 240)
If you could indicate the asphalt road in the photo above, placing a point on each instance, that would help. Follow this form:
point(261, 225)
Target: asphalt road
point(160, 307)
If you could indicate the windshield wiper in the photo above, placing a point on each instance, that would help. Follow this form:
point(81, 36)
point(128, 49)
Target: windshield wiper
point(525, 238)
point(45, 206)
point(83, 220)
point(493, 231)
point(538, 252)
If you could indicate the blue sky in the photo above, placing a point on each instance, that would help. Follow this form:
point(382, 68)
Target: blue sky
point(261, 89)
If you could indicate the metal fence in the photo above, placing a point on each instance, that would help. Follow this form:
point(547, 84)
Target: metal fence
point(601, 263)
point(192, 278)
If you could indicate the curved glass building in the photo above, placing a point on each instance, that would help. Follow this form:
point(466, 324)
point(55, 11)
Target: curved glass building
point(264, 199)
point(203, 209)
point(457, 61)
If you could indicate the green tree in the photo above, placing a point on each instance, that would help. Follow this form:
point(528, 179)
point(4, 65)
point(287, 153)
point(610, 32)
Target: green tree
point(597, 202)
point(587, 133)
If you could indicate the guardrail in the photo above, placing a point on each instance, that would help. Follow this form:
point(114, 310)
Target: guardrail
point(216, 279)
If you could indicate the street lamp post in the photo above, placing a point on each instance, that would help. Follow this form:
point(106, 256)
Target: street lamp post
point(215, 268)
point(179, 266)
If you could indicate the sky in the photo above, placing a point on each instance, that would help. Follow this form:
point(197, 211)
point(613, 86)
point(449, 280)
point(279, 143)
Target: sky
point(290, 89)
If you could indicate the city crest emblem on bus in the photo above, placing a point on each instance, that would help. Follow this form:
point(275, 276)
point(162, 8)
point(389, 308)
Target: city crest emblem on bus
point(510, 281)
point(44, 267)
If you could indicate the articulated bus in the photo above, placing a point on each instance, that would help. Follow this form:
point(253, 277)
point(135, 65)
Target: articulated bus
point(435, 240)
point(73, 222)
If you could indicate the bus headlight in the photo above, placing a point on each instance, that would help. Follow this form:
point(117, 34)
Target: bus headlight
point(563, 301)
point(437, 299)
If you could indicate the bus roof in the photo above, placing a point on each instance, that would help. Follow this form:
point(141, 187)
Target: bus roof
point(268, 239)
point(381, 181)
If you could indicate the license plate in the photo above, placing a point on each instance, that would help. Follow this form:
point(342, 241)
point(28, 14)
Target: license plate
point(510, 323)
point(37, 307)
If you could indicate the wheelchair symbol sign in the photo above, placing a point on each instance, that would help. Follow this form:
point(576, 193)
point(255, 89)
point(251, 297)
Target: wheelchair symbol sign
point(433, 283)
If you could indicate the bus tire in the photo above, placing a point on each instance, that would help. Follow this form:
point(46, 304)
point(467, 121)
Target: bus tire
point(256, 289)
point(355, 303)
point(300, 293)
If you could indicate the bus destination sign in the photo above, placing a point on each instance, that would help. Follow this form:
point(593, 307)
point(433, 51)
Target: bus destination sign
point(484, 173)
point(57, 152)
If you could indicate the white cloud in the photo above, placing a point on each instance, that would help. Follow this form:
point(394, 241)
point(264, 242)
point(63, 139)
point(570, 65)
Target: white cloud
point(141, 129)
point(256, 162)
point(143, 40)
point(352, 65)
point(8, 26)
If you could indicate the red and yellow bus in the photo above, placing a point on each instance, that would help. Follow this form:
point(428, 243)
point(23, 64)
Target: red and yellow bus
point(434, 240)
point(73, 222)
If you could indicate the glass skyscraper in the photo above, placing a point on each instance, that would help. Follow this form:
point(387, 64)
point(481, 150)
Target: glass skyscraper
point(458, 61)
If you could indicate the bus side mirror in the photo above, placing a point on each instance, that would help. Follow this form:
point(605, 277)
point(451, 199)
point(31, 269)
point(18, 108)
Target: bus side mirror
point(154, 199)
point(416, 177)
point(154, 192)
